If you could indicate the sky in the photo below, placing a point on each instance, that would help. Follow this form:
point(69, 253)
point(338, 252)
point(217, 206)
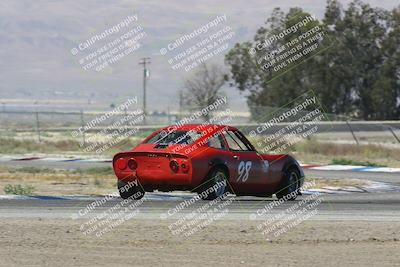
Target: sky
point(37, 37)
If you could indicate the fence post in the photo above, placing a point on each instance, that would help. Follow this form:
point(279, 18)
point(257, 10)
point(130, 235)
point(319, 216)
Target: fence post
point(83, 125)
point(352, 133)
point(395, 136)
point(169, 116)
point(126, 116)
point(38, 126)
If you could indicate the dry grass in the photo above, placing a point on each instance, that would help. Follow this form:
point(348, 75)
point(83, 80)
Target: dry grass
point(96, 181)
point(307, 151)
point(23, 146)
point(18, 146)
point(367, 151)
point(321, 183)
point(315, 152)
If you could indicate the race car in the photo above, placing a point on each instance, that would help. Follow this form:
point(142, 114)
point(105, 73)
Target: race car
point(211, 160)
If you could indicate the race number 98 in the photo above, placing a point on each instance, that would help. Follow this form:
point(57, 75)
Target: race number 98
point(244, 171)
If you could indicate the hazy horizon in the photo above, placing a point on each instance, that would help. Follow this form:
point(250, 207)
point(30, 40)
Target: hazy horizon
point(36, 39)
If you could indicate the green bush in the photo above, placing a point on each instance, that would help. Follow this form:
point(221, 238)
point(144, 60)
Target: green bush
point(18, 189)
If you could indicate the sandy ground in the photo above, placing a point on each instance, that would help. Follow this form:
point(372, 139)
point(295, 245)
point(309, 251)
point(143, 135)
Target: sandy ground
point(45, 242)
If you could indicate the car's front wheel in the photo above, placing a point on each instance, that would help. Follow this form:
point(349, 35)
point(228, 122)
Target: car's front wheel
point(130, 190)
point(215, 185)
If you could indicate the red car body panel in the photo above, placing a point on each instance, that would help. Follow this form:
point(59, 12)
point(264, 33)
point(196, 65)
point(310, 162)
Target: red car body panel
point(196, 160)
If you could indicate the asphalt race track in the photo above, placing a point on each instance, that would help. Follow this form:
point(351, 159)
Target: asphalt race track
point(357, 206)
point(380, 206)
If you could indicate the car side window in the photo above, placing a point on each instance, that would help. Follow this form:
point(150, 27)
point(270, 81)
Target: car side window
point(245, 141)
point(216, 142)
point(234, 142)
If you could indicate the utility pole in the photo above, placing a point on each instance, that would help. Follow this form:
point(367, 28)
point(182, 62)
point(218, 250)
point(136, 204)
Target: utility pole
point(83, 125)
point(144, 61)
point(38, 126)
point(180, 104)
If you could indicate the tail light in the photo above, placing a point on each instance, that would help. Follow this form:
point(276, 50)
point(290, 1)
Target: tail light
point(121, 164)
point(132, 164)
point(185, 166)
point(173, 164)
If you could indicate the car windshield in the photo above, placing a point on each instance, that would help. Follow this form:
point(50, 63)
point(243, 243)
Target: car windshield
point(174, 137)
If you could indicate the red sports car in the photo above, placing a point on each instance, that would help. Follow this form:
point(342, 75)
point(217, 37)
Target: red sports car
point(208, 159)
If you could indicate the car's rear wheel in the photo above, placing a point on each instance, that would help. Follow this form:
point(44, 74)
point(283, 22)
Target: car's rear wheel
point(290, 185)
point(130, 190)
point(215, 185)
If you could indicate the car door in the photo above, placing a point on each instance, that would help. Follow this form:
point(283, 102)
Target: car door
point(245, 164)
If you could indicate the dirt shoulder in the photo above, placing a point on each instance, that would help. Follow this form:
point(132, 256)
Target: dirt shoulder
point(39, 242)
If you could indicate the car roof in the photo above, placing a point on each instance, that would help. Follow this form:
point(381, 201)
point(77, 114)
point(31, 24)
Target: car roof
point(198, 126)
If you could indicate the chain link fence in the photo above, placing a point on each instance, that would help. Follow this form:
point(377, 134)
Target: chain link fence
point(39, 123)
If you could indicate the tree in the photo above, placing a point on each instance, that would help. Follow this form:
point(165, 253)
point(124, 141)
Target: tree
point(386, 89)
point(269, 89)
point(358, 75)
point(204, 87)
